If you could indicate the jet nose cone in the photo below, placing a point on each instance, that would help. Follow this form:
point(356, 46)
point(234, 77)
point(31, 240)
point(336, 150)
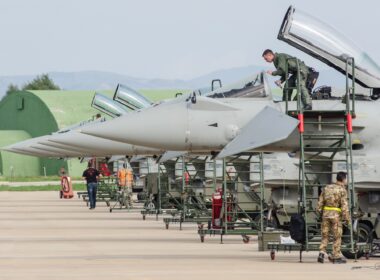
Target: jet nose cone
point(23, 144)
point(14, 147)
point(8, 149)
point(163, 126)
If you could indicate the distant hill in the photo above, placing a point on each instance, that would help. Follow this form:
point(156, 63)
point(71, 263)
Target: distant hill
point(98, 80)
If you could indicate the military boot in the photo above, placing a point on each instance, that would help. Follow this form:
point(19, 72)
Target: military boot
point(321, 258)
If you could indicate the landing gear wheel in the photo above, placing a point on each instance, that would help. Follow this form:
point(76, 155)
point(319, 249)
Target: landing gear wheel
point(151, 206)
point(202, 239)
point(273, 223)
point(144, 217)
point(364, 235)
point(167, 226)
point(272, 255)
point(246, 239)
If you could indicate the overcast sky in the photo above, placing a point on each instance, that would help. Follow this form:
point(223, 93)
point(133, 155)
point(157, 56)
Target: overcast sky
point(162, 38)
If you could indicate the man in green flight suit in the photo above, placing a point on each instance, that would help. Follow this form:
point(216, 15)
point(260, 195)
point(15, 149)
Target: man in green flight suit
point(279, 61)
point(333, 206)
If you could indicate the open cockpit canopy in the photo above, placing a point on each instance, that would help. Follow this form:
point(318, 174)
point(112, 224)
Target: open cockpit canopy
point(326, 44)
point(107, 105)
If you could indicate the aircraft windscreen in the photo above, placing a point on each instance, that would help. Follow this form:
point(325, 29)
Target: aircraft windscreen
point(255, 86)
point(131, 98)
point(106, 105)
point(320, 40)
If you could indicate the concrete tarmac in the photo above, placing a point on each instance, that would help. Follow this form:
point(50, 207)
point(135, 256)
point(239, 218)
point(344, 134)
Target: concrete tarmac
point(43, 237)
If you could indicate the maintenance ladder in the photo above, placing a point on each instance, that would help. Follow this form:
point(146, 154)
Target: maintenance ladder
point(195, 199)
point(243, 199)
point(319, 149)
point(160, 195)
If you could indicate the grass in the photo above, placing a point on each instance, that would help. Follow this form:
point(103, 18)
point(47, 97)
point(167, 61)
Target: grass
point(76, 187)
point(34, 179)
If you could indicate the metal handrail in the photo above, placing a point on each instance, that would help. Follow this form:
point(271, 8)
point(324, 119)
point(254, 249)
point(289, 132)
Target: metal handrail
point(350, 61)
point(349, 166)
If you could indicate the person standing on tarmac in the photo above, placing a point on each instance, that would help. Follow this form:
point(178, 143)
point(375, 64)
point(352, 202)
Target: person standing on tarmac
point(122, 177)
point(91, 175)
point(125, 178)
point(279, 60)
point(333, 207)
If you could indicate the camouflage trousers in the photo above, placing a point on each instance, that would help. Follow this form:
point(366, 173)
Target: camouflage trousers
point(333, 226)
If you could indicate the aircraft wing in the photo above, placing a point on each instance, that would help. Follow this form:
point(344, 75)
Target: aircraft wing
point(267, 127)
point(170, 155)
point(116, 158)
point(137, 158)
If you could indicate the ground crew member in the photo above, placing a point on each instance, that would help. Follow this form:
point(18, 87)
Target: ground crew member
point(129, 184)
point(125, 177)
point(91, 175)
point(105, 171)
point(279, 60)
point(129, 178)
point(122, 176)
point(333, 206)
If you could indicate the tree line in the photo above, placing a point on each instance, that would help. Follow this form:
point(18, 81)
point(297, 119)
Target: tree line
point(41, 82)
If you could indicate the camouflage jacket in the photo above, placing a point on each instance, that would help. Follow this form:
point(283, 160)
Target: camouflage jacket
point(280, 64)
point(335, 196)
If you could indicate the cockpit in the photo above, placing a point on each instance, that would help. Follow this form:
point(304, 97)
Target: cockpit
point(130, 98)
point(251, 87)
point(107, 106)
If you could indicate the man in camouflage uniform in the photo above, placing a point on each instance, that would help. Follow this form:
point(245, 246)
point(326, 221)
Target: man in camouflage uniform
point(279, 60)
point(333, 206)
